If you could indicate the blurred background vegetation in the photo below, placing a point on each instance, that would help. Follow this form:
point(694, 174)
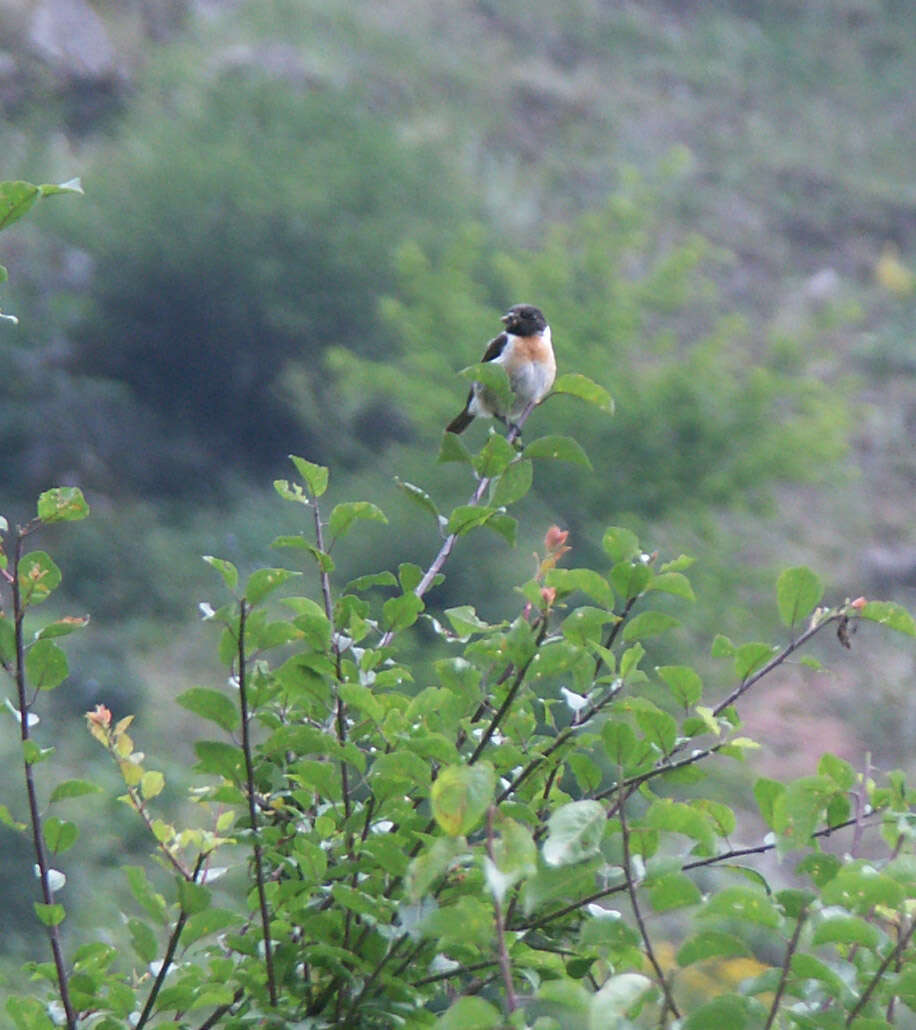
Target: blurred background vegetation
point(302, 218)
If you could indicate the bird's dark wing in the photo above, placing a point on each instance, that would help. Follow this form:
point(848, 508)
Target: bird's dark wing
point(495, 347)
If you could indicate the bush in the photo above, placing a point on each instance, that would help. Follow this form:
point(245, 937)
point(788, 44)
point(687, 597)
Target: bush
point(512, 830)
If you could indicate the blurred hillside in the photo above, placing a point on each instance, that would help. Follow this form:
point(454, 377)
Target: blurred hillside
point(302, 218)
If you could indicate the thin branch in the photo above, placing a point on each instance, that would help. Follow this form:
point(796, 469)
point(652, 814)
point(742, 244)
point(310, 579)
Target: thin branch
point(38, 842)
point(448, 545)
point(640, 922)
point(892, 956)
point(252, 804)
point(786, 963)
point(163, 969)
point(502, 952)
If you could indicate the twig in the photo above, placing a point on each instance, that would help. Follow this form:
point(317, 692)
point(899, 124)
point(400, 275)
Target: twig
point(448, 545)
point(640, 922)
point(892, 956)
point(784, 975)
point(41, 855)
point(252, 805)
point(502, 952)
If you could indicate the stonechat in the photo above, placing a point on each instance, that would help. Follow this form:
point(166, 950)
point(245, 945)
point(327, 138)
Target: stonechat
point(525, 351)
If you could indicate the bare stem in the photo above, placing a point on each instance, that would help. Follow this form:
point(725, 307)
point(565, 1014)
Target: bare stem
point(41, 855)
point(505, 964)
point(252, 804)
point(640, 922)
point(784, 975)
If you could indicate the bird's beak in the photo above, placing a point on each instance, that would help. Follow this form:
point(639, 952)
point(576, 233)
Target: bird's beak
point(505, 318)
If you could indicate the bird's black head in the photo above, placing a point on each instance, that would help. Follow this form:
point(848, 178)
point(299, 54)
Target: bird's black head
point(524, 320)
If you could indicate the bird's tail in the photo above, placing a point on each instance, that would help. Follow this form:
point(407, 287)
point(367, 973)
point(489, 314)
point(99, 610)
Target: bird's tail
point(460, 422)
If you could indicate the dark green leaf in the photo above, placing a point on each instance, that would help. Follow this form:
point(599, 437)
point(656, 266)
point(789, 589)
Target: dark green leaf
point(745, 905)
point(495, 456)
point(846, 930)
point(620, 544)
point(452, 449)
point(494, 378)
point(401, 612)
point(675, 890)
point(61, 628)
point(344, 515)
point(144, 894)
point(143, 940)
point(566, 581)
point(711, 944)
point(470, 1013)
point(672, 583)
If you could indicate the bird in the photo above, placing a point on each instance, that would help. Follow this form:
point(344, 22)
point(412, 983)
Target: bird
point(525, 351)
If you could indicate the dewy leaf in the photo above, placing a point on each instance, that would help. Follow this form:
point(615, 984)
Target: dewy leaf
point(574, 833)
point(62, 504)
point(560, 448)
point(798, 592)
point(577, 385)
point(461, 795)
point(315, 476)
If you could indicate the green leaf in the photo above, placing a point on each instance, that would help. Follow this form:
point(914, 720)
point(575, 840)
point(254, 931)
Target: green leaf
point(674, 890)
point(62, 504)
point(220, 759)
point(577, 385)
point(711, 944)
point(630, 579)
point(38, 577)
point(891, 615)
point(513, 484)
point(648, 624)
point(225, 568)
point(461, 795)
point(750, 657)
point(61, 627)
point(860, 887)
point(15, 200)
point(142, 939)
point(345, 515)
point(722, 647)
point(678, 817)
point(619, 994)
point(7, 640)
point(838, 770)
point(560, 448)
point(727, 1010)
point(465, 621)
point(418, 495)
point(193, 897)
point(264, 581)
point(401, 612)
point(466, 517)
point(798, 592)
point(619, 742)
point(470, 1013)
point(745, 905)
point(6, 819)
point(807, 967)
point(494, 379)
point(620, 544)
point(452, 449)
point(315, 476)
point(766, 793)
point(685, 683)
point(566, 581)
point(59, 834)
point(212, 705)
point(574, 833)
point(495, 457)
point(50, 915)
point(73, 789)
point(144, 894)
point(846, 930)
point(675, 583)
point(45, 665)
